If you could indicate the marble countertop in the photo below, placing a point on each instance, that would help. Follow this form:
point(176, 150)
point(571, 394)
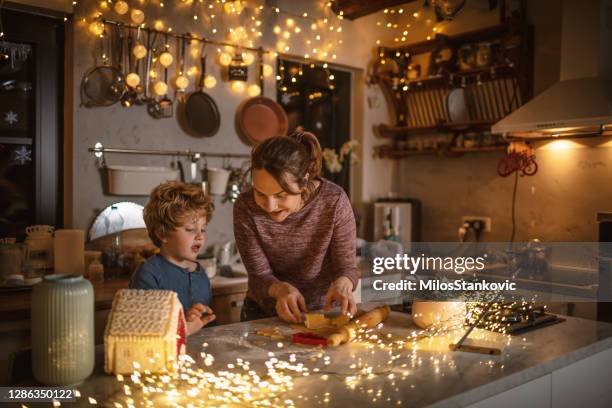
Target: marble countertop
point(365, 373)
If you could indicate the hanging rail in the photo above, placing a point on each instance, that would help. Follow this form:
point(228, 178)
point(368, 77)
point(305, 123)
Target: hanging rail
point(258, 50)
point(99, 151)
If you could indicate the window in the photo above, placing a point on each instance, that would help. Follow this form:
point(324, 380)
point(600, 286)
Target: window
point(319, 100)
point(31, 57)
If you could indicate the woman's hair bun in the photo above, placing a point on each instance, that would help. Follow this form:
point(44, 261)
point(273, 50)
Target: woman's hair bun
point(313, 147)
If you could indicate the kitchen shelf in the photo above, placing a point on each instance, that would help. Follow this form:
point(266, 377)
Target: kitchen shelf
point(480, 35)
point(470, 75)
point(385, 151)
point(394, 132)
point(431, 105)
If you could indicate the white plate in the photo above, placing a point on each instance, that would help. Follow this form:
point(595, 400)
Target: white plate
point(456, 106)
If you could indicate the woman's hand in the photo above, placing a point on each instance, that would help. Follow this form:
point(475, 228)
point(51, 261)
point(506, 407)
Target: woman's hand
point(198, 316)
point(289, 302)
point(341, 292)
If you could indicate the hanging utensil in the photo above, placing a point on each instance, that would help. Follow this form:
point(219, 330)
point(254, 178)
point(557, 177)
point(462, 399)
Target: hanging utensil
point(201, 111)
point(102, 85)
point(129, 97)
point(181, 82)
point(165, 104)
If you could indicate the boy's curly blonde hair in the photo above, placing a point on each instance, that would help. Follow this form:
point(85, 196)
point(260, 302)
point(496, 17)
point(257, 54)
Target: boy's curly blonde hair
point(171, 204)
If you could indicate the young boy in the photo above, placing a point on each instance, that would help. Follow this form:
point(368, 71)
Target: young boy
point(176, 217)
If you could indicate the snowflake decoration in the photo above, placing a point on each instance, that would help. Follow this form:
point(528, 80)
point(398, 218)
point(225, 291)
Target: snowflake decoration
point(11, 117)
point(286, 98)
point(22, 155)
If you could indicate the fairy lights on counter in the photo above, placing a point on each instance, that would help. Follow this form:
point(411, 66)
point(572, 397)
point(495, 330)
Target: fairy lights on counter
point(380, 367)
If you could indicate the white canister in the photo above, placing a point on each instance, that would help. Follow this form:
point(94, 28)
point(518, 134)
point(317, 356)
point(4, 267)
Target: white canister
point(426, 314)
point(217, 180)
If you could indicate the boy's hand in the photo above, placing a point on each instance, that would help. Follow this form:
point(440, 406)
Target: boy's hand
point(197, 317)
point(196, 311)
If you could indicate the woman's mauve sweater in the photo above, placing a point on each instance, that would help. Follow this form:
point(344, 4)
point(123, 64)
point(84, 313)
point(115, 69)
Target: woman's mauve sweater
point(309, 249)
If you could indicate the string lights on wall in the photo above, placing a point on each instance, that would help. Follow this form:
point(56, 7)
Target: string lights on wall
point(236, 27)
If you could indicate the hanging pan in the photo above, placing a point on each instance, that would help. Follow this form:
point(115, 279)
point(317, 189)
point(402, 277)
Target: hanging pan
point(201, 113)
point(260, 118)
point(103, 85)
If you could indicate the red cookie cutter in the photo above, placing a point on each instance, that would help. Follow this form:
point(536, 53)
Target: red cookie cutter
point(309, 338)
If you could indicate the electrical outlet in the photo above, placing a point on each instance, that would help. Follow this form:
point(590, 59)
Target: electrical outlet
point(485, 220)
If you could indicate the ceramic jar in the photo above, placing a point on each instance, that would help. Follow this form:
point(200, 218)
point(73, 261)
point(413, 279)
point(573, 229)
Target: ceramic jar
point(39, 241)
point(62, 330)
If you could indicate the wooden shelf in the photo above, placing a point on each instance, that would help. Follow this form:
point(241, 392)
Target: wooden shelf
point(389, 152)
point(387, 131)
point(483, 34)
point(501, 71)
point(420, 105)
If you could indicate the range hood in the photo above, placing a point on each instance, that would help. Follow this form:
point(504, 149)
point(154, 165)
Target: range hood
point(581, 103)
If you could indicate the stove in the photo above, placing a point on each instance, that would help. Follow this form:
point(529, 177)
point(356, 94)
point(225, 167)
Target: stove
point(519, 319)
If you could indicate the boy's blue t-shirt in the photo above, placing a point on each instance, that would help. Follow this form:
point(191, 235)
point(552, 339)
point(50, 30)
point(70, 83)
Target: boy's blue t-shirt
point(159, 273)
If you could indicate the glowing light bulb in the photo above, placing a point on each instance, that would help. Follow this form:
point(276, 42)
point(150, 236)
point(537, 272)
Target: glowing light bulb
point(277, 30)
point(137, 16)
point(121, 7)
point(254, 90)
point(210, 81)
point(181, 82)
point(160, 88)
point(139, 51)
point(248, 58)
point(166, 59)
point(267, 70)
point(225, 59)
point(290, 22)
point(132, 79)
point(192, 71)
point(286, 35)
point(96, 27)
point(238, 86)
point(159, 25)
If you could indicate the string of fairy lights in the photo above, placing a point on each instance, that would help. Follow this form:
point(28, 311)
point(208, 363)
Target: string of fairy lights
point(235, 27)
point(424, 16)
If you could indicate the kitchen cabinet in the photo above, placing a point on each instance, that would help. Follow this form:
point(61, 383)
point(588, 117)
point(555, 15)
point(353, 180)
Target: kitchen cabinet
point(534, 394)
point(583, 383)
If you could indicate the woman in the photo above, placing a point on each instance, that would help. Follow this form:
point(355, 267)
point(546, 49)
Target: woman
point(295, 232)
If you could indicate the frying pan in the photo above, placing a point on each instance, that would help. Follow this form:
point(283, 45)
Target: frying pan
point(201, 112)
point(260, 118)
